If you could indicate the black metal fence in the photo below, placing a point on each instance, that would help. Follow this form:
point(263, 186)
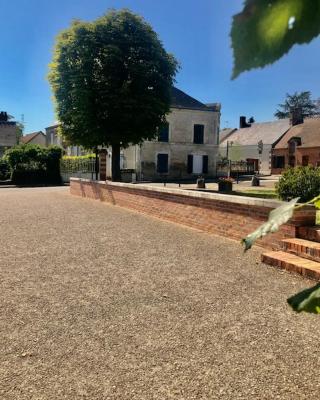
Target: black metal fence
point(228, 167)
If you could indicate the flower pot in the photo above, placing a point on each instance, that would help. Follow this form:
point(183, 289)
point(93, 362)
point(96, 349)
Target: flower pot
point(225, 186)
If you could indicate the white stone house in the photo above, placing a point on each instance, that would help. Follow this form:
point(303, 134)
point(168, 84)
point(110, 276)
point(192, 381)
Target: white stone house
point(186, 147)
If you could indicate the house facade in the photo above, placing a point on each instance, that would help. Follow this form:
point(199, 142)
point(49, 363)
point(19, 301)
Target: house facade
point(53, 138)
point(254, 143)
point(34, 138)
point(185, 148)
point(8, 132)
point(300, 146)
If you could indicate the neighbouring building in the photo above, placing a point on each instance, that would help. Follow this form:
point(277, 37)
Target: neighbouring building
point(185, 148)
point(34, 138)
point(8, 132)
point(225, 133)
point(52, 138)
point(299, 146)
point(253, 142)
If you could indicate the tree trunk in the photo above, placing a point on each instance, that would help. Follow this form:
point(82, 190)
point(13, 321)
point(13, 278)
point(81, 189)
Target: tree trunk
point(116, 173)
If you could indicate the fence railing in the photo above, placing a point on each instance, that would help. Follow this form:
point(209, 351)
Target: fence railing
point(78, 167)
point(235, 167)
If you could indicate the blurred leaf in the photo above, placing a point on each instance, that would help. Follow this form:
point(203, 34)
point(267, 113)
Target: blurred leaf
point(317, 204)
point(265, 30)
point(308, 300)
point(277, 217)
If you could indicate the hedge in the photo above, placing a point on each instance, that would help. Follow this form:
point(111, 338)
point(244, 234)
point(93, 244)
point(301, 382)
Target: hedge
point(303, 182)
point(34, 164)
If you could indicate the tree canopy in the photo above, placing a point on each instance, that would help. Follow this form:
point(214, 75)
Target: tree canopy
point(265, 30)
point(296, 101)
point(111, 80)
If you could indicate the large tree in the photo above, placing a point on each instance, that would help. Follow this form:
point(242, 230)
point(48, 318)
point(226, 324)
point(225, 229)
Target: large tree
point(111, 80)
point(296, 101)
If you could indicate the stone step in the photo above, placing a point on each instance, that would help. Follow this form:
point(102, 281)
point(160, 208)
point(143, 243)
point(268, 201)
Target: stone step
point(302, 248)
point(292, 263)
point(309, 233)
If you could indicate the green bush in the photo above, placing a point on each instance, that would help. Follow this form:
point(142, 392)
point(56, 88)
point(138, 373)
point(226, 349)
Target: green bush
point(4, 170)
point(303, 182)
point(34, 164)
point(82, 164)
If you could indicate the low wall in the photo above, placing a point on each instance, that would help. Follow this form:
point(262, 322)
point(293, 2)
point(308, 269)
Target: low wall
point(225, 215)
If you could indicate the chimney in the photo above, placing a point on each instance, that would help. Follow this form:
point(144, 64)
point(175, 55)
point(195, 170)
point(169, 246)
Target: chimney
point(243, 123)
point(296, 116)
point(3, 116)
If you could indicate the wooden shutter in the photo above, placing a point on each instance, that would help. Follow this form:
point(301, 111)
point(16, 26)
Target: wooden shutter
point(205, 165)
point(164, 133)
point(190, 163)
point(198, 134)
point(162, 163)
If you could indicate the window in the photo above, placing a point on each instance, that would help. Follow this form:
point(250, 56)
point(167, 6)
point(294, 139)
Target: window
point(198, 133)
point(305, 161)
point(164, 133)
point(292, 161)
point(278, 162)
point(162, 163)
point(292, 146)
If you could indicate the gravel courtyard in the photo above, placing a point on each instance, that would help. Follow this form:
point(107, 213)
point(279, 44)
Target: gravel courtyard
point(97, 302)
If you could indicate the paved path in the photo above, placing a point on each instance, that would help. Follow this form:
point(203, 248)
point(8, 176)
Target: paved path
point(97, 302)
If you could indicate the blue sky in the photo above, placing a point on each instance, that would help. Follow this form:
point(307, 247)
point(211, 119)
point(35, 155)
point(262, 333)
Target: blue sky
point(196, 31)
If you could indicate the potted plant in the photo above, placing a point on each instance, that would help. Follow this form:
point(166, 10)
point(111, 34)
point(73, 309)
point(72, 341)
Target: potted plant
point(225, 184)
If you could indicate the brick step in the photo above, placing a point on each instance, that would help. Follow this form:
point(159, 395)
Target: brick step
point(292, 263)
point(302, 248)
point(309, 233)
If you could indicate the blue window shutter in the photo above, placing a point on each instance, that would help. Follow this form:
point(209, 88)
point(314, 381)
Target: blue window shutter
point(205, 165)
point(162, 163)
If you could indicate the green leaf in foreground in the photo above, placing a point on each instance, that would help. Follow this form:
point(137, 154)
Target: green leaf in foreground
point(277, 217)
point(308, 300)
point(265, 30)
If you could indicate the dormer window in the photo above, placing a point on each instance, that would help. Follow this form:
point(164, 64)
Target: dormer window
point(293, 143)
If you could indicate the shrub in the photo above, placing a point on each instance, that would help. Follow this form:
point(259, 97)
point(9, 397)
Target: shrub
point(82, 164)
point(303, 182)
point(4, 169)
point(34, 164)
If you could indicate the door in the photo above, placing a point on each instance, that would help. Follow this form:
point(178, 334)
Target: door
point(197, 167)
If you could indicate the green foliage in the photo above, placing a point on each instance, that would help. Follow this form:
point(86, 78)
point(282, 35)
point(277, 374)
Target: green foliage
point(296, 101)
point(34, 164)
point(277, 217)
point(111, 81)
point(83, 164)
point(4, 169)
point(303, 182)
point(308, 300)
point(265, 30)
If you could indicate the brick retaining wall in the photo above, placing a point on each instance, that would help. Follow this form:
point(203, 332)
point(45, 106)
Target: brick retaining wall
point(225, 215)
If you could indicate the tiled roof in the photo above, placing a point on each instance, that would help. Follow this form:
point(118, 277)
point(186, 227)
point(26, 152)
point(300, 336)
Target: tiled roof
point(309, 132)
point(268, 132)
point(29, 136)
point(225, 133)
point(179, 99)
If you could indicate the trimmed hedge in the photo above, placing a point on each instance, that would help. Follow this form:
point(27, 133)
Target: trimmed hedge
point(4, 169)
point(303, 182)
point(34, 164)
point(82, 164)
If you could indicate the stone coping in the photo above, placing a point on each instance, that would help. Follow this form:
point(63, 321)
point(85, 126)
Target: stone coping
point(229, 198)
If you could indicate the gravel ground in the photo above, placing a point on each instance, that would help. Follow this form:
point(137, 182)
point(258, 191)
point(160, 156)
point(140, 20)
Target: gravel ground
point(97, 302)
